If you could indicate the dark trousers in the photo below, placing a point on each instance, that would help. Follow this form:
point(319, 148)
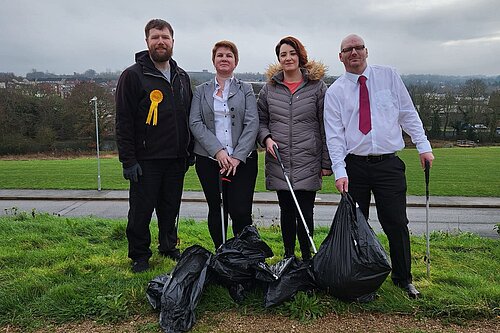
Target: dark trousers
point(160, 188)
point(238, 194)
point(292, 226)
point(387, 180)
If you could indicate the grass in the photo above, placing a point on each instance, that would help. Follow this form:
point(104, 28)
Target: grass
point(456, 172)
point(55, 270)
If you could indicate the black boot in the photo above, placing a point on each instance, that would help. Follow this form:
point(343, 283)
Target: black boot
point(410, 290)
point(140, 266)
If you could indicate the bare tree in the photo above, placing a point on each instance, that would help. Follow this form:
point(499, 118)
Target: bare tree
point(449, 105)
point(427, 102)
point(81, 111)
point(493, 115)
point(472, 104)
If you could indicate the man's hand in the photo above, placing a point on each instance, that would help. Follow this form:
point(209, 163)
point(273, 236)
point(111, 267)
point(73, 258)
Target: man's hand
point(132, 173)
point(426, 157)
point(342, 184)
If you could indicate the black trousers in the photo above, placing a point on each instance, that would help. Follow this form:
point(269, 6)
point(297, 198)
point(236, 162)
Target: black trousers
point(159, 188)
point(292, 226)
point(238, 194)
point(387, 181)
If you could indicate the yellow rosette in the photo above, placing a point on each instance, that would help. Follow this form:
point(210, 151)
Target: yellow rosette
point(156, 97)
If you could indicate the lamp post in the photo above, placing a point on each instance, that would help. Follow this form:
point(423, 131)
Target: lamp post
point(94, 99)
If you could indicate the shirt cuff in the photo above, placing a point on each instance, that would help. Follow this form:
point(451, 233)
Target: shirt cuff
point(424, 147)
point(340, 173)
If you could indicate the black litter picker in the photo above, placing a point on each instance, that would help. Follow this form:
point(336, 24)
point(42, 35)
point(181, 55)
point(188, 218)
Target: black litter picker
point(428, 250)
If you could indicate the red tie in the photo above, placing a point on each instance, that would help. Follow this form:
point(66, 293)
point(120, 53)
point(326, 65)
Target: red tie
point(365, 122)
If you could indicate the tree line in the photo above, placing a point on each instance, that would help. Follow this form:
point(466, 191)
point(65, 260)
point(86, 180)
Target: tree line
point(34, 118)
point(468, 112)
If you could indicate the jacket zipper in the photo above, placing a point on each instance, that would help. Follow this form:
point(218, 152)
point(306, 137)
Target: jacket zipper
point(175, 113)
point(290, 109)
point(290, 134)
point(173, 101)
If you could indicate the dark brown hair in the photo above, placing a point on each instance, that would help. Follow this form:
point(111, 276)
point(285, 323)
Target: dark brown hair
point(297, 46)
point(158, 24)
point(229, 45)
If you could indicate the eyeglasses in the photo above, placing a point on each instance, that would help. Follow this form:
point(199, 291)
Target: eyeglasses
point(349, 49)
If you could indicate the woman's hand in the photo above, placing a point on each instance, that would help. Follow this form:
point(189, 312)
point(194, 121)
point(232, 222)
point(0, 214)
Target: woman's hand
point(234, 164)
point(326, 172)
point(227, 164)
point(269, 146)
point(224, 161)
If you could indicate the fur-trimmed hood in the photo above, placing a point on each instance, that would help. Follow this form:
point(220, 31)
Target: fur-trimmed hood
point(313, 70)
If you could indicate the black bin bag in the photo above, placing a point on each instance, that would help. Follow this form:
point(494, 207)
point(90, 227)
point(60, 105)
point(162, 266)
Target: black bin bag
point(240, 263)
point(155, 290)
point(294, 276)
point(181, 291)
point(351, 264)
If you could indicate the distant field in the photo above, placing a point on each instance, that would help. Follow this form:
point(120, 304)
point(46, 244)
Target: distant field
point(456, 172)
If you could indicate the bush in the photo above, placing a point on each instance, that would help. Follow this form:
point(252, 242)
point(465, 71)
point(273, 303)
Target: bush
point(45, 137)
point(16, 143)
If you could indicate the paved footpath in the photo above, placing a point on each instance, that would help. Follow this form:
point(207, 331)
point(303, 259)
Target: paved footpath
point(471, 214)
point(259, 197)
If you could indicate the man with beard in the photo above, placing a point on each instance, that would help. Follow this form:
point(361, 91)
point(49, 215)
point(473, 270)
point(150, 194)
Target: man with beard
point(153, 99)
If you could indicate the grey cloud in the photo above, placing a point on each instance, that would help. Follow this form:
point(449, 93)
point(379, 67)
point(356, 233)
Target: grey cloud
point(65, 36)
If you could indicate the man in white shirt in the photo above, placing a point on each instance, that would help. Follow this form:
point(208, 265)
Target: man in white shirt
point(366, 110)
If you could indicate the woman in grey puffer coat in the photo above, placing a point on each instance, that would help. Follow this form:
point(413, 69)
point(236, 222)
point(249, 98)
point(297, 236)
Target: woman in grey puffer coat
point(291, 116)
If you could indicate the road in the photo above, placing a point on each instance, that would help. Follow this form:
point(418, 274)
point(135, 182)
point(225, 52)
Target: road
point(451, 219)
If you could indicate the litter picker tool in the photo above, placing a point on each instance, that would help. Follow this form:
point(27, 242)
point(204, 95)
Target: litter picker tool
point(428, 251)
point(278, 156)
point(223, 208)
point(178, 242)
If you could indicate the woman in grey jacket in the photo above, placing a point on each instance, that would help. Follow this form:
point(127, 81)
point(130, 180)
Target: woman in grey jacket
point(291, 116)
point(224, 122)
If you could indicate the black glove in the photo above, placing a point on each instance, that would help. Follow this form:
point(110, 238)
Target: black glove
point(133, 172)
point(190, 161)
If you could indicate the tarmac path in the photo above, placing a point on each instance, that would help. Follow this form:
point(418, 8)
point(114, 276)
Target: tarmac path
point(450, 214)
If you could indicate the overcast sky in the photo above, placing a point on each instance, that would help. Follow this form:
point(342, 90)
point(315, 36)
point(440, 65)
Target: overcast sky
point(451, 37)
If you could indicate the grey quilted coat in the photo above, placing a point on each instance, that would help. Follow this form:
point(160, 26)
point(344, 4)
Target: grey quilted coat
point(295, 122)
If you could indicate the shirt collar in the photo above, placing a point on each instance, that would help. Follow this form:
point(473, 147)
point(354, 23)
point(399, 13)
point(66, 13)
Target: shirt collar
point(226, 84)
point(354, 77)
